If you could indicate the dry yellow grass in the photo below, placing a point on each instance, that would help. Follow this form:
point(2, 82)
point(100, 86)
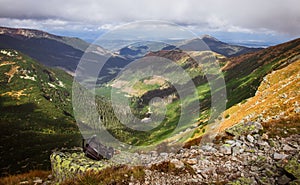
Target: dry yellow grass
point(28, 178)
point(15, 94)
point(12, 72)
point(276, 99)
point(4, 63)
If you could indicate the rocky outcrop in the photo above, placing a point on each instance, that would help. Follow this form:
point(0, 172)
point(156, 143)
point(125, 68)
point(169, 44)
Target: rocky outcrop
point(253, 158)
point(69, 163)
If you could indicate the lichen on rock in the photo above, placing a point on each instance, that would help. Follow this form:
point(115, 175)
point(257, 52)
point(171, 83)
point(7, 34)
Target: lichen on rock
point(244, 128)
point(68, 164)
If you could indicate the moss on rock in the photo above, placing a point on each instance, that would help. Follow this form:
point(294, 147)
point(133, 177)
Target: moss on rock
point(68, 164)
point(293, 167)
point(244, 128)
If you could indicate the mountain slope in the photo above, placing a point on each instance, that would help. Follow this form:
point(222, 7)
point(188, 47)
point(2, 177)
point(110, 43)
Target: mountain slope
point(244, 73)
point(36, 112)
point(56, 51)
point(275, 104)
point(214, 45)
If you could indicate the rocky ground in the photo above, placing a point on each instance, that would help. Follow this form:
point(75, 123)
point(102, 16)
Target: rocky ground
point(247, 157)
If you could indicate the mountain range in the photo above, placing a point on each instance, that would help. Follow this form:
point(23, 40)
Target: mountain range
point(35, 95)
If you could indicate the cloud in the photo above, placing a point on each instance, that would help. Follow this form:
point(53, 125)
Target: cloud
point(274, 16)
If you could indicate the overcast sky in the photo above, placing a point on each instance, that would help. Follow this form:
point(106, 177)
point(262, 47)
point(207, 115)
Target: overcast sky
point(87, 18)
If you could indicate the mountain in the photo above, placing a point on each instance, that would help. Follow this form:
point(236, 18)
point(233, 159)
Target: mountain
point(215, 45)
point(56, 51)
point(140, 49)
point(243, 75)
point(36, 112)
point(275, 104)
point(262, 87)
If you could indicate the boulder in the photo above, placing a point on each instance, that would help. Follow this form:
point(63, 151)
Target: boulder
point(68, 164)
point(244, 128)
point(225, 149)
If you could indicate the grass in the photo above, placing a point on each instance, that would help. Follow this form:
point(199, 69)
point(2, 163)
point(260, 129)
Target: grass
point(29, 177)
point(268, 102)
point(113, 175)
point(37, 121)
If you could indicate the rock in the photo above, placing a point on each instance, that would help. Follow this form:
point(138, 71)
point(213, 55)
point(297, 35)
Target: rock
point(225, 149)
point(50, 177)
point(207, 148)
point(287, 148)
point(278, 156)
point(250, 138)
point(192, 161)
point(293, 167)
point(164, 154)
point(38, 181)
point(24, 182)
point(264, 137)
point(70, 163)
point(230, 142)
point(178, 164)
point(47, 183)
point(244, 128)
point(283, 180)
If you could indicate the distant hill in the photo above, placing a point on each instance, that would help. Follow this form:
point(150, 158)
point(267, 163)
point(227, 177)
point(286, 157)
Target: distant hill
point(57, 51)
point(36, 112)
point(243, 75)
point(217, 46)
point(140, 49)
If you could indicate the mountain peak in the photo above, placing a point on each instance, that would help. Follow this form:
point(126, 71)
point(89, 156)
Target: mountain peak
point(29, 33)
point(209, 37)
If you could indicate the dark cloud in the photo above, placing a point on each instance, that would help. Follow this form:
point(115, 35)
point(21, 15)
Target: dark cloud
point(274, 16)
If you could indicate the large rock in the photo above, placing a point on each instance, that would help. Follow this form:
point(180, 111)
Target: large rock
point(68, 164)
point(244, 128)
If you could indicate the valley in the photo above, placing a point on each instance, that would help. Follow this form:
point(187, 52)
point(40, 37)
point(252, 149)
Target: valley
point(262, 85)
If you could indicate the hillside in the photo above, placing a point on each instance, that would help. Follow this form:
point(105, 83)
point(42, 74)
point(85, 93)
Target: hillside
point(36, 112)
point(214, 45)
point(243, 75)
point(258, 143)
point(275, 104)
point(58, 51)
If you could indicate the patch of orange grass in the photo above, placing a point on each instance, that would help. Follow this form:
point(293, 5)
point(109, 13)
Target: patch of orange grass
point(15, 94)
point(276, 96)
point(30, 177)
point(4, 63)
point(11, 72)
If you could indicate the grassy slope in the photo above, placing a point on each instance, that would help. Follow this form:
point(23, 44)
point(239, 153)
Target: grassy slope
point(275, 104)
point(243, 76)
point(36, 113)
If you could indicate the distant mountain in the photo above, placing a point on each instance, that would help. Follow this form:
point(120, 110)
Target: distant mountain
point(215, 45)
point(56, 51)
point(140, 49)
point(36, 112)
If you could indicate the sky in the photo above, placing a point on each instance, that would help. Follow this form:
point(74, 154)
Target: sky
point(257, 21)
